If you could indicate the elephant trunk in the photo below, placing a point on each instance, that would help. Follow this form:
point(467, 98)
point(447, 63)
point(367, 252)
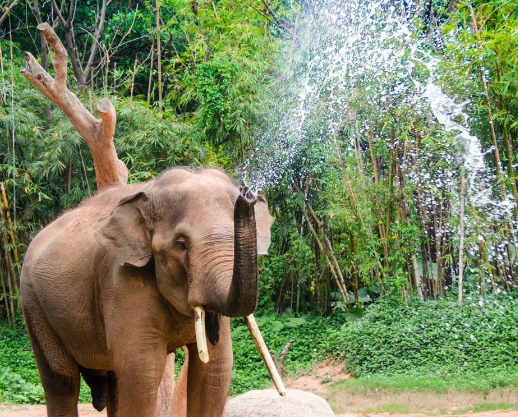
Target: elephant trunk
point(243, 294)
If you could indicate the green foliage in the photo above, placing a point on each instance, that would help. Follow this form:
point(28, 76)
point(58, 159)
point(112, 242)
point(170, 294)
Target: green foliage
point(15, 389)
point(314, 337)
point(19, 378)
point(435, 338)
point(222, 61)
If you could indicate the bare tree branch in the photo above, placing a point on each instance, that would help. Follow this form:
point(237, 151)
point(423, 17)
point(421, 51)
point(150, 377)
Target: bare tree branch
point(98, 134)
point(81, 72)
point(95, 44)
point(267, 16)
point(58, 12)
point(8, 10)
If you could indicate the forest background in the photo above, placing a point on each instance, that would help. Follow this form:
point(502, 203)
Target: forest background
point(382, 255)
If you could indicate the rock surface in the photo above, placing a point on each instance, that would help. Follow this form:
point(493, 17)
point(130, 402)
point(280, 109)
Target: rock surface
point(268, 403)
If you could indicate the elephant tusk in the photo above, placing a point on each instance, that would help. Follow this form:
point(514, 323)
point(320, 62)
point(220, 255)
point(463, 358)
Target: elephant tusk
point(201, 339)
point(263, 351)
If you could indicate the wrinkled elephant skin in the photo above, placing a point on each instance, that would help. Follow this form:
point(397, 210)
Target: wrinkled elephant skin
point(109, 289)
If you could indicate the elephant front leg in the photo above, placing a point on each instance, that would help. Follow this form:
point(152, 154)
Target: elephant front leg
point(208, 384)
point(137, 379)
point(166, 389)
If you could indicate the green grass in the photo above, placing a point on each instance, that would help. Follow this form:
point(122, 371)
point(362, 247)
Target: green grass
point(426, 393)
point(482, 382)
point(481, 407)
point(404, 409)
point(389, 408)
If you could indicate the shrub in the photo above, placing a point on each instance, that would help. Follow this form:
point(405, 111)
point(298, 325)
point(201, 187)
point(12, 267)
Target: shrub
point(315, 339)
point(19, 377)
point(434, 336)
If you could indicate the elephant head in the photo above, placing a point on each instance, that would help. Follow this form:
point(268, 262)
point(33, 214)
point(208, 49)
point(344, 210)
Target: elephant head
point(203, 234)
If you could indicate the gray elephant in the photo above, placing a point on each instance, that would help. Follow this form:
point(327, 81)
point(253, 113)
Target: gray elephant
point(111, 287)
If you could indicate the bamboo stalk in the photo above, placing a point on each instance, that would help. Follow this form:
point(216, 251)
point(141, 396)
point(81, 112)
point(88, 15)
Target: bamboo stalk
point(9, 222)
point(159, 58)
point(12, 277)
point(10, 271)
point(265, 354)
point(342, 290)
point(150, 83)
point(328, 246)
point(489, 112)
point(5, 296)
point(417, 278)
point(438, 252)
point(390, 186)
point(10, 297)
point(420, 207)
point(133, 77)
point(69, 174)
point(461, 231)
point(373, 159)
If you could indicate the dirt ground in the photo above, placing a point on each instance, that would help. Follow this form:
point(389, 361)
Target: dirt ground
point(89, 411)
point(346, 404)
point(420, 404)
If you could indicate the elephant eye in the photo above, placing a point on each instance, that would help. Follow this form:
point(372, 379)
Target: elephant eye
point(181, 243)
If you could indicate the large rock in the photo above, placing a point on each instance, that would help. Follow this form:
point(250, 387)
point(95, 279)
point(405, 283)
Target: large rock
point(268, 403)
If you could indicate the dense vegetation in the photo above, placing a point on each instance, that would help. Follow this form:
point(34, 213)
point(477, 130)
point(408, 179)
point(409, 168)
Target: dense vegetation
point(374, 198)
point(428, 345)
point(435, 339)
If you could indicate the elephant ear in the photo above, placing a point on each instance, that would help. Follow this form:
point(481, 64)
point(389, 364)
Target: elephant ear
point(125, 234)
point(263, 221)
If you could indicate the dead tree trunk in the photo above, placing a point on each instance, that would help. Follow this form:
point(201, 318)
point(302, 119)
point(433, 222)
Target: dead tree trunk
point(98, 134)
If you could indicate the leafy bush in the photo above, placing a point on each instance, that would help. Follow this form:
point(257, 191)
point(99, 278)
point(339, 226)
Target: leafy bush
point(19, 377)
point(15, 389)
point(474, 347)
point(20, 383)
point(435, 337)
point(315, 338)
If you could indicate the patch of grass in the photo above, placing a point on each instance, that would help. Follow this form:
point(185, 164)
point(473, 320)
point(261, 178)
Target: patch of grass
point(482, 382)
point(426, 394)
point(405, 409)
point(389, 408)
point(478, 408)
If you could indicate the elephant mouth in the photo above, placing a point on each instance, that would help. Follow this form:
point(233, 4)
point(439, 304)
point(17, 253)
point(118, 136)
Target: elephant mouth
point(212, 322)
point(206, 325)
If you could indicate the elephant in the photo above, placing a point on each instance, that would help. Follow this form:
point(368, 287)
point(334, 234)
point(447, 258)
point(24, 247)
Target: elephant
point(110, 288)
